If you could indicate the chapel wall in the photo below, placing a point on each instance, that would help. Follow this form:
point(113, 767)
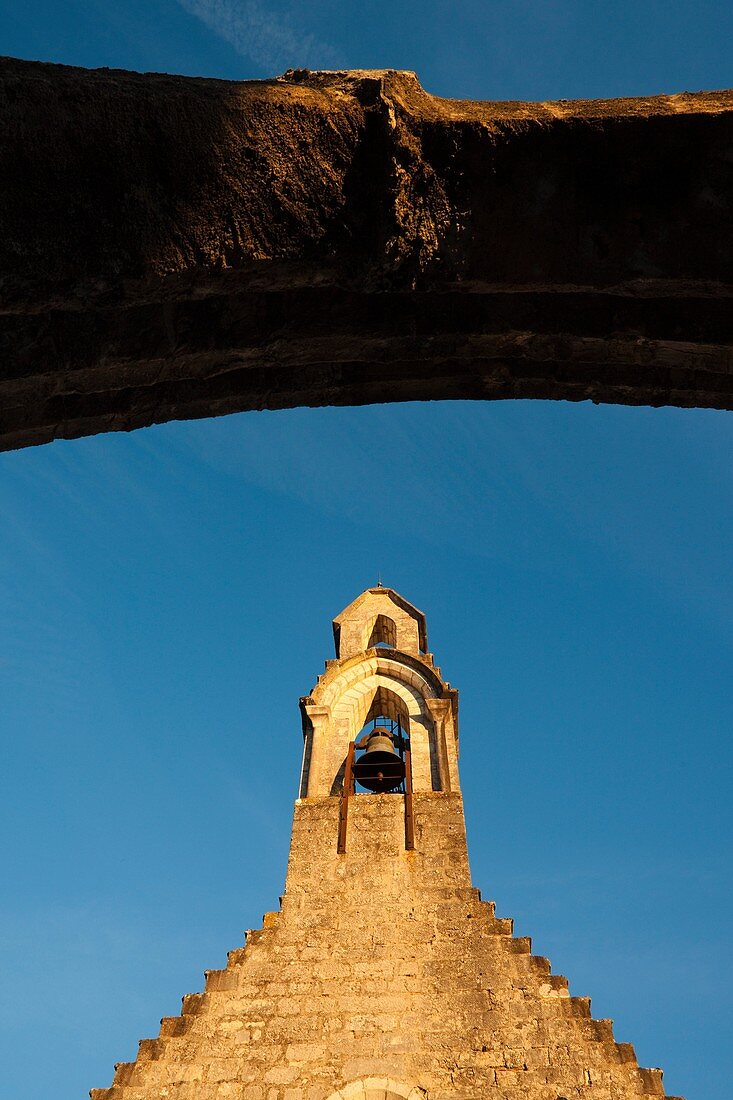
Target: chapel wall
point(384, 962)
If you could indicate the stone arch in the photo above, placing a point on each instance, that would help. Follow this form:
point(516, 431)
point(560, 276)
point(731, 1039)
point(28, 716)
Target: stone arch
point(382, 694)
point(395, 664)
point(389, 696)
point(355, 713)
point(377, 683)
point(336, 682)
point(379, 1088)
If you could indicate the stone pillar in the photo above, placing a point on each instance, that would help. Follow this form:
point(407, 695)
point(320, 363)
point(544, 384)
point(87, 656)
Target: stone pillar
point(440, 711)
point(319, 719)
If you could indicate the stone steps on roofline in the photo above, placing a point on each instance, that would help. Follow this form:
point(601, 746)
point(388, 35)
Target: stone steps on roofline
point(501, 926)
point(651, 1080)
point(149, 1050)
point(220, 981)
point(173, 1026)
point(123, 1073)
point(579, 1007)
point(192, 1004)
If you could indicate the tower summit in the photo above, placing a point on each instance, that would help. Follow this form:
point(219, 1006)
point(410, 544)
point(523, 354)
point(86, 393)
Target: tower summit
point(384, 975)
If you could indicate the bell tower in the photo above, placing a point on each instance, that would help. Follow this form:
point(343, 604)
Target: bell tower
point(383, 976)
point(381, 718)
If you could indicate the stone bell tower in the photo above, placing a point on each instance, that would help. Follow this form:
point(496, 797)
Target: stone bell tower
point(383, 975)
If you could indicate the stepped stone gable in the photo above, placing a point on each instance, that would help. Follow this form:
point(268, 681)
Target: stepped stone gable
point(383, 976)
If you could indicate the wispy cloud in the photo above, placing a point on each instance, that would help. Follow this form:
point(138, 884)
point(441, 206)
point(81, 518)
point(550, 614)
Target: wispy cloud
point(269, 38)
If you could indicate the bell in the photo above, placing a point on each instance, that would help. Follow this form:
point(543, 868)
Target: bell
point(380, 768)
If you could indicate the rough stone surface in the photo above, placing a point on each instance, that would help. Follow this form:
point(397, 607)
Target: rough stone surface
point(384, 975)
point(173, 247)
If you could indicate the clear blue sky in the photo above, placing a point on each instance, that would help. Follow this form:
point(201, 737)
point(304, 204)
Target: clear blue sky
point(166, 597)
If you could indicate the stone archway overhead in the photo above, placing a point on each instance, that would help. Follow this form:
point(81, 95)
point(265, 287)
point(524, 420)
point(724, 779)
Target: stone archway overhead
point(174, 247)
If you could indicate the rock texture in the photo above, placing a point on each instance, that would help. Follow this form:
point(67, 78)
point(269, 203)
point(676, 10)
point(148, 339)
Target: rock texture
point(384, 976)
point(173, 247)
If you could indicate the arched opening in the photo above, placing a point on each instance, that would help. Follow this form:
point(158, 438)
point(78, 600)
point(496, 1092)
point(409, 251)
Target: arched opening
point(380, 684)
point(386, 710)
point(383, 633)
point(379, 1088)
point(387, 704)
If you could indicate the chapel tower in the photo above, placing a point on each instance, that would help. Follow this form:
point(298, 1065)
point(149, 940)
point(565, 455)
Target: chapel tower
point(383, 975)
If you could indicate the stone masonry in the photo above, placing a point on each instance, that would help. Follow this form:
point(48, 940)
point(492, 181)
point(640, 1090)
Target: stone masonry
point(383, 975)
point(172, 247)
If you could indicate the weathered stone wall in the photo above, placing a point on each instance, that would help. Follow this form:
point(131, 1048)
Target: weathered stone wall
point(384, 976)
point(383, 966)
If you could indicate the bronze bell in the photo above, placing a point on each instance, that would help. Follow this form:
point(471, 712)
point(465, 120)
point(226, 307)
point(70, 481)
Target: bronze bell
point(380, 768)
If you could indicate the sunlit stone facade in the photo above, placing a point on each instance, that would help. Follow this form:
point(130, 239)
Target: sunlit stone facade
point(383, 976)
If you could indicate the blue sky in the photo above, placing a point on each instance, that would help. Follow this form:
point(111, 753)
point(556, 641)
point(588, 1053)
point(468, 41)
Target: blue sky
point(521, 49)
point(166, 598)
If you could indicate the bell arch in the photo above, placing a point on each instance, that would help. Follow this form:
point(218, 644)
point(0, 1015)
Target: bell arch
point(380, 694)
point(350, 714)
point(394, 665)
point(379, 1088)
point(378, 697)
point(372, 683)
point(375, 686)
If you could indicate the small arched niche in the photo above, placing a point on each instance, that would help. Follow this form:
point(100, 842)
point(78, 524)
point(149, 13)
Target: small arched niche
point(379, 1088)
point(383, 633)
